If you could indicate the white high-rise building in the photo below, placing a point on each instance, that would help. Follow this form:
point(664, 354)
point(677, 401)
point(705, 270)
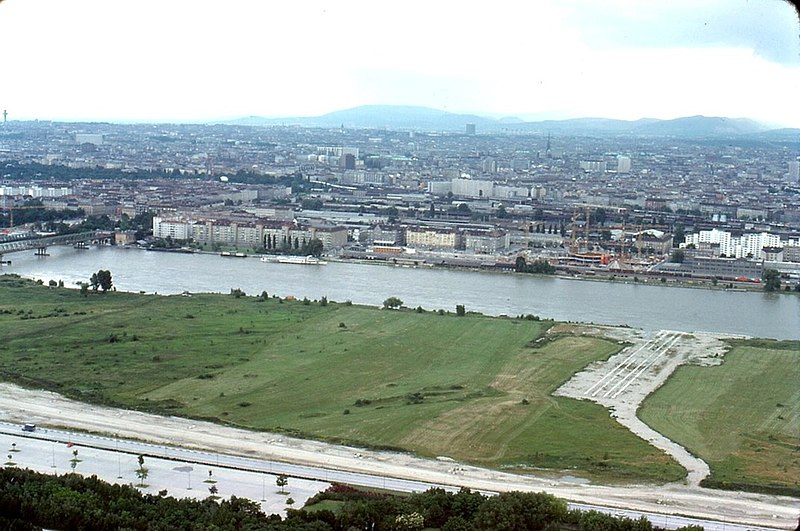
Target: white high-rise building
point(597, 166)
point(748, 245)
point(472, 188)
point(794, 171)
point(623, 164)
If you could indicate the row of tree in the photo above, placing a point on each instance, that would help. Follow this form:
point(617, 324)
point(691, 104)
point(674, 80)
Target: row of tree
point(541, 267)
point(296, 246)
point(100, 280)
point(31, 500)
point(34, 211)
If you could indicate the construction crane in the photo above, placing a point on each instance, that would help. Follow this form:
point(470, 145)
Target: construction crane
point(11, 210)
point(574, 247)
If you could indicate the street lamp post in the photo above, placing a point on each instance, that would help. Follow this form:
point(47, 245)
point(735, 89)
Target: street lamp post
point(119, 462)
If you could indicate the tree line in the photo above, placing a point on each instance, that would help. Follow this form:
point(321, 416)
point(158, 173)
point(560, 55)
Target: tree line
point(34, 211)
point(34, 171)
point(31, 500)
point(541, 267)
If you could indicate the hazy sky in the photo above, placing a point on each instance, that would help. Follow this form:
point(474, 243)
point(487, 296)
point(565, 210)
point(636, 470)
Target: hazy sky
point(195, 60)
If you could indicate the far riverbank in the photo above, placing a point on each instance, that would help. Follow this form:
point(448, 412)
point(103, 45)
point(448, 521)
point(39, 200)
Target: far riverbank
point(589, 274)
point(651, 306)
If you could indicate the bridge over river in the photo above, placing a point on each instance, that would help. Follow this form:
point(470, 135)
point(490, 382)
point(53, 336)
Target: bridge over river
point(41, 243)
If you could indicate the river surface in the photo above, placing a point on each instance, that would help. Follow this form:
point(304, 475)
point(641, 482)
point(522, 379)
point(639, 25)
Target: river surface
point(646, 306)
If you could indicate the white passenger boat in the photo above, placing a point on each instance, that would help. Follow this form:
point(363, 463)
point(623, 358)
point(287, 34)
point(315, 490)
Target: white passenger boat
point(298, 260)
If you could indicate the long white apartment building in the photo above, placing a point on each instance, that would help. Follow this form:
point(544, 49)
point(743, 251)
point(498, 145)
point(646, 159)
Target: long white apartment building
point(748, 245)
point(253, 233)
point(35, 191)
point(477, 188)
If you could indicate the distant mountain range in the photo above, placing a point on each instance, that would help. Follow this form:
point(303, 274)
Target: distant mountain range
point(399, 117)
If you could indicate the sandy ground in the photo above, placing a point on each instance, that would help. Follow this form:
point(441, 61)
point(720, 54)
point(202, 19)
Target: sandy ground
point(49, 409)
point(623, 381)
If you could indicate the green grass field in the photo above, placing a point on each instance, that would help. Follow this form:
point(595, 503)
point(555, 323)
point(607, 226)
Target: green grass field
point(742, 417)
point(471, 387)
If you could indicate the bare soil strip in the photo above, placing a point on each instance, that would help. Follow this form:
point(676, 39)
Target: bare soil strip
point(623, 381)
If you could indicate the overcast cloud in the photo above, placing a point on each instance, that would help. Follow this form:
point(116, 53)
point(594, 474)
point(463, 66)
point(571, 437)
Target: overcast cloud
point(181, 60)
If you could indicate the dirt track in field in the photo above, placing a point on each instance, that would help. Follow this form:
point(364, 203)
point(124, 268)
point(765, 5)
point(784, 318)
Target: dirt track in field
point(623, 381)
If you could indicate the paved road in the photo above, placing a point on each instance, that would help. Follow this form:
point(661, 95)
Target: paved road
point(184, 472)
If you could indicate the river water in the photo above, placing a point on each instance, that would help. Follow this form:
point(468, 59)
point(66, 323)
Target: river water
point(647, 306)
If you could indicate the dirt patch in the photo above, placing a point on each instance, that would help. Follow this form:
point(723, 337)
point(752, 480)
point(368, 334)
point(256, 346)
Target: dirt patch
point(623, 381)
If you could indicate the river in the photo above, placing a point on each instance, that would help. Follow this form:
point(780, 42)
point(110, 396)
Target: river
point(646, 306)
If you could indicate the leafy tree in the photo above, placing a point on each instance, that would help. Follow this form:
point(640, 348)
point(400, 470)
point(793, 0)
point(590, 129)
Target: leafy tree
point(541, 267)
point(213, 490)
point(520, 265)
point(600, 216)
point(678, 235)
point(677, 256)
point(104, 279)
point(142, 472)
point(392, 303)
point(460, 310)
point(311, 204)
point(771, 279)
point(520, 510)
point(314, 247)
point(281, 481)
point(101, 280)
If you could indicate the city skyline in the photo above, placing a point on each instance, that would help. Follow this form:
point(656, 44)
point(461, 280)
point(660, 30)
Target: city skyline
point(201, 61)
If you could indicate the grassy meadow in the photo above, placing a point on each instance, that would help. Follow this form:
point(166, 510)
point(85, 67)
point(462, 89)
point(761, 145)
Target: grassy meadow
point(742, 417)
point(473, 388)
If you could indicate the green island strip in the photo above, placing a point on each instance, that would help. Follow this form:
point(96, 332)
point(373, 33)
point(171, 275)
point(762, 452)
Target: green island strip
point(472, 387)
